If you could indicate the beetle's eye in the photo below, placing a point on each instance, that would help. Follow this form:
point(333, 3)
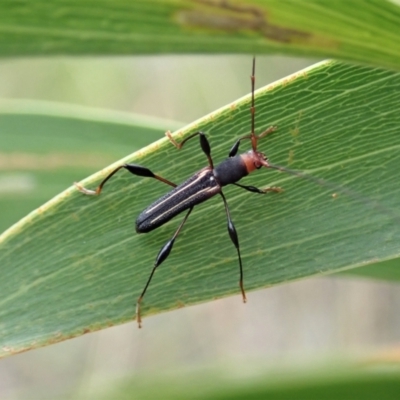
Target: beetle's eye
point(257, 164)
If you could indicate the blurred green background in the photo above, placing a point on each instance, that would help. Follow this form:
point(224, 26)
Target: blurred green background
point(333, 338)
point(224, 344)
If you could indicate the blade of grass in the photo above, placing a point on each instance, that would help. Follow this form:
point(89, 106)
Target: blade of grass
point(76, 265)
point(328, 383)
point(340, 29)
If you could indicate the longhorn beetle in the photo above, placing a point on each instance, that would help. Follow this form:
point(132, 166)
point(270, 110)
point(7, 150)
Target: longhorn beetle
point(200, 187)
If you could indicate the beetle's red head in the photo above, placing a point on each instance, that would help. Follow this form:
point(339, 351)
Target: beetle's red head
point(254, 160)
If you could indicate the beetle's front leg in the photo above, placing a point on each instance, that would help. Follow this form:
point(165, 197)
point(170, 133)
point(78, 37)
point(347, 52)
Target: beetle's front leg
point(204, 144)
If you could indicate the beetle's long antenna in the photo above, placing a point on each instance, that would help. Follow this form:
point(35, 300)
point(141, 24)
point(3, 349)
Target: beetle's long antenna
point(319, 181)
point(350, 193)
point(253, 137)
point(253, 108)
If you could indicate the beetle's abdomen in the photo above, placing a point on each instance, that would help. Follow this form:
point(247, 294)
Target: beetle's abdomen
point(198, 188)
point(230, 170)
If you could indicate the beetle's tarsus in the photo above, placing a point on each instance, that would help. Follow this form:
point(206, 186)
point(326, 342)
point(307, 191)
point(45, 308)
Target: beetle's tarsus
point(267, 131)
point(168, 134)
point(275, 189)
point(138, 318)
point(85, 191)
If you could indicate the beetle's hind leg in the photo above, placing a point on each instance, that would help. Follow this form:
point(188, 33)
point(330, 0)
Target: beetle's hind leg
point(235, 240)
point(161, 257)
point(133, 169)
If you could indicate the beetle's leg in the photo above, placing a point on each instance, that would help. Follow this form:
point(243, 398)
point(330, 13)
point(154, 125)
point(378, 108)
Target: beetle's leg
point(162, 255)
point(254, 189)
point(133, 169)
point(235, 240)
point(204, 143)
point(267, 132)
point(235, 147)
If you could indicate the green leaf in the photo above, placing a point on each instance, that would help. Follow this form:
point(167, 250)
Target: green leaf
point(340, 29)
point(77, 265)
point(326, 383)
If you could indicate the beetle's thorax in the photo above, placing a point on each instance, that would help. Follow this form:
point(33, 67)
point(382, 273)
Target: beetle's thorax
point(235, 168)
